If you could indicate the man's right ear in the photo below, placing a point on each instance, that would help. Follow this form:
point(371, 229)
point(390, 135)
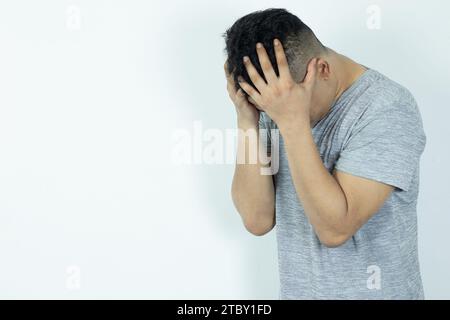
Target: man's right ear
point(323, 69)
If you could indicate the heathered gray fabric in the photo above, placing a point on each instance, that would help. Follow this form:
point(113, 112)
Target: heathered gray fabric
point(374, 130)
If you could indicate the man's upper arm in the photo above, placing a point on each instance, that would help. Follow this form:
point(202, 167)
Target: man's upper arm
point(364, 198)
point(385, 147)
point(382, 155)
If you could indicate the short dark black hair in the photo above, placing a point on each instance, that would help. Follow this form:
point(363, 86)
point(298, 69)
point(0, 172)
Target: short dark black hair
point(299, 42)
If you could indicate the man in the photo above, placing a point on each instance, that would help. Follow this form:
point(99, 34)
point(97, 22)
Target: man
point(344, 197)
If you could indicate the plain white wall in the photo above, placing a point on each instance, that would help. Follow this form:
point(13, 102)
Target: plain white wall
point(91, 93)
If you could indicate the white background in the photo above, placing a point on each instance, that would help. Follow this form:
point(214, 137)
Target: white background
point(91, 205)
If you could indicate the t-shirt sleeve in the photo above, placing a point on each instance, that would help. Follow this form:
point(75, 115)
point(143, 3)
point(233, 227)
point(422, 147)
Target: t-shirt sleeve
point(385, 146)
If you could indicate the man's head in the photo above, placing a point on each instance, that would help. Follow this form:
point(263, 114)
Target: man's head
point(299, 42)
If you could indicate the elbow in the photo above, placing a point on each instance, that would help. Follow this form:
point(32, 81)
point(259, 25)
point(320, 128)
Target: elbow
point(258, 227)
point(258, 219)
point(333, 240)
point(335, 234)
point(258, 230)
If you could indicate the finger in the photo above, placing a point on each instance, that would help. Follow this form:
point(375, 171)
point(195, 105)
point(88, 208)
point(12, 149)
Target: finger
point(240, 96)
point(231, 88)
point(283, 66)
point(257, 80)
point(311, 73)
point(265, 63)
point(225, 68)
point(250, 99)
point(241, 100)
point(249, 89)
point(227, 73)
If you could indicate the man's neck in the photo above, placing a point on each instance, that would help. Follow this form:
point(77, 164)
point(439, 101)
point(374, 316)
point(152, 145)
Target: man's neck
point(347, 72)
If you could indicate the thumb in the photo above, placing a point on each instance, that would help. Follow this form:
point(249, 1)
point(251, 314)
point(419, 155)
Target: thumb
point(311, 73)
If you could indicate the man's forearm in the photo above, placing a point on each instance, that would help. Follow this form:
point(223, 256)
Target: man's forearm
point(252, 192)
point(323, 199)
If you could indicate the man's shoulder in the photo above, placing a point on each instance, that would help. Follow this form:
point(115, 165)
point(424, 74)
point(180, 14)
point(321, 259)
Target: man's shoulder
point(379, 98)
point(389, 106)
point(387, 95)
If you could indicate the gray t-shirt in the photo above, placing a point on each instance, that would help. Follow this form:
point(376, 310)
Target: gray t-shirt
point(374, 130)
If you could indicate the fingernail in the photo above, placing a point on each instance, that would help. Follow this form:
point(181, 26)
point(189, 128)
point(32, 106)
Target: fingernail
point(246, 59)
point(240, 79)
point(259, 45)
point(276, 42)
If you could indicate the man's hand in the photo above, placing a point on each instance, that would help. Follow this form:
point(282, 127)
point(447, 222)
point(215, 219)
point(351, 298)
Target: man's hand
point(286, 102)
point(247, 113)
